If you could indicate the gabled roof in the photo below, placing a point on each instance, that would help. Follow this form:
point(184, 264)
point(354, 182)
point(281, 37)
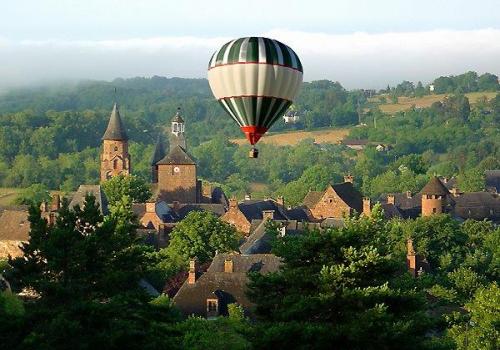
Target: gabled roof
point(349, 195)
point(96, 190)
point(478, 206)
point(435, 187)
point(14, 225)
point(115, 129)
point(230, 287)
point(252, 209)
point(312, 198)
point(159, 152)
point(177, 155)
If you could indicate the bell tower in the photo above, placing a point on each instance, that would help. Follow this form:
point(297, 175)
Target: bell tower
point(115, 159)
point(177, 137)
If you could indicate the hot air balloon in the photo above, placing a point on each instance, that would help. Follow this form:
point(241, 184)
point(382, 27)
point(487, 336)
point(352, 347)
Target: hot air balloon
point(255, 80)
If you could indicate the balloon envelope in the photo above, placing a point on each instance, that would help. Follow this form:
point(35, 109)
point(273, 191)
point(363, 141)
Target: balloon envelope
point(255, 80)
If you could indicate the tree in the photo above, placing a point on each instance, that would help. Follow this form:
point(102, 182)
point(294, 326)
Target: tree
point(33, 195)
point(471, 180)
point(335, 289)
point(200, 235)
point(85, 271)
point(126, 185)
point(479, 329)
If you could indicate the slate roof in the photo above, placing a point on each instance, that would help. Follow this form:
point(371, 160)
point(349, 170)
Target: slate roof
point(435, 187)
point(229, 287)
point(96, 190)
point(492, 180)
point(14, 224)
point(349, 195)
point(159, 152)
point(115, 129)
point(391, 211)
point(312, 198)
point(252, 209)
point(177, 155)
point(298, 213)
point(478, 206)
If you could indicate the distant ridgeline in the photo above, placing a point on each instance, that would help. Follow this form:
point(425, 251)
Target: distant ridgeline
point(52, 134)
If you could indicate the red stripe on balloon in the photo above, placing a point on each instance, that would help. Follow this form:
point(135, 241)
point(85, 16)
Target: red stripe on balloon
point(253, 133)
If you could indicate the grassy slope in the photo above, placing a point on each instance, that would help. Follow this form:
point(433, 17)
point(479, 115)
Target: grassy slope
point(405, 103)
point(294, 137)
point(8, 195)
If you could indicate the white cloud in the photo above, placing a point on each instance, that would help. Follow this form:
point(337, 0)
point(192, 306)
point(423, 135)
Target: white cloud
point(356, 60)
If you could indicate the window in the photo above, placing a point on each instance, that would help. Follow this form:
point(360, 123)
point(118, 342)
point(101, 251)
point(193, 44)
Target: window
point(115, 148)
point(212, 306)
point(115, 164)
point(434, 210)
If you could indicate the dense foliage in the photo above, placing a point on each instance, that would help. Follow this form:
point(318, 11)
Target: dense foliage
point(51, 136)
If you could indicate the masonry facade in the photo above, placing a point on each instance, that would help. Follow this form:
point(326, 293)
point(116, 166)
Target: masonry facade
point(115, 159)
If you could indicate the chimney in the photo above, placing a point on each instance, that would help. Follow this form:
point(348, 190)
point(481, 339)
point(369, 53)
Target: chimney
point(367, 207)
point(248, 197)
point(193, 269)
point(176, 206)
point(411, 258)
point(349, 178)
point(267, 215)
point(228, 265)
point(391, 199)
point(280, 201)
point(52, 219)
point(408, 194)
point(445, 179)
point(455, 192)
point(150, 207)
point(56, 203)
point(233, 203)
point(44, 207)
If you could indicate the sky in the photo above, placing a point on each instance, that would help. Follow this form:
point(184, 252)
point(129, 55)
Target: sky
point(360, 43)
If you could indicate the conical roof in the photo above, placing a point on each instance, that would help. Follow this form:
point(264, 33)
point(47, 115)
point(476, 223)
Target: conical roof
point(435, 187)
point(177, 155)
point(177, 117)
point(115, 129)
point(159, 152)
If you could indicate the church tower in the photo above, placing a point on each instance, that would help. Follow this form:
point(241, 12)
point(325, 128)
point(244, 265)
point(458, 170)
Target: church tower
point(174, 173)
point(177, 137)
point(115, 159)
point(159, 154)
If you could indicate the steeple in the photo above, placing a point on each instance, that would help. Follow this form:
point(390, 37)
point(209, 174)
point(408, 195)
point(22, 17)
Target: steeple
point(115, 159)
point(177, 131)
point(159, 151)
point(158, 154)
point(115, 130)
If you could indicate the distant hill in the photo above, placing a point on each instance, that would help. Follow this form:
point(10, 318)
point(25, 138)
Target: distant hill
point(405, 103)
point(331, 136)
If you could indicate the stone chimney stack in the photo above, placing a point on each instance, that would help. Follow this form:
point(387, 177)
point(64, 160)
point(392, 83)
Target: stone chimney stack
point(281, 201)
point(267, 215)
point(248, 197)
point(193, 270)
point(150, 207)
point(233, 203)
point(391, 199)
point(228, 265)
point(411, 257)
point(349, 178)
point(408, 194)
point(367, 207)
point(455, 192)
point(44, 207)
point(56, 203)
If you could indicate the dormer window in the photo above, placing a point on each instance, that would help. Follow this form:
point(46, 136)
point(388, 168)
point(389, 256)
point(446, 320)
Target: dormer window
point(212, 307)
